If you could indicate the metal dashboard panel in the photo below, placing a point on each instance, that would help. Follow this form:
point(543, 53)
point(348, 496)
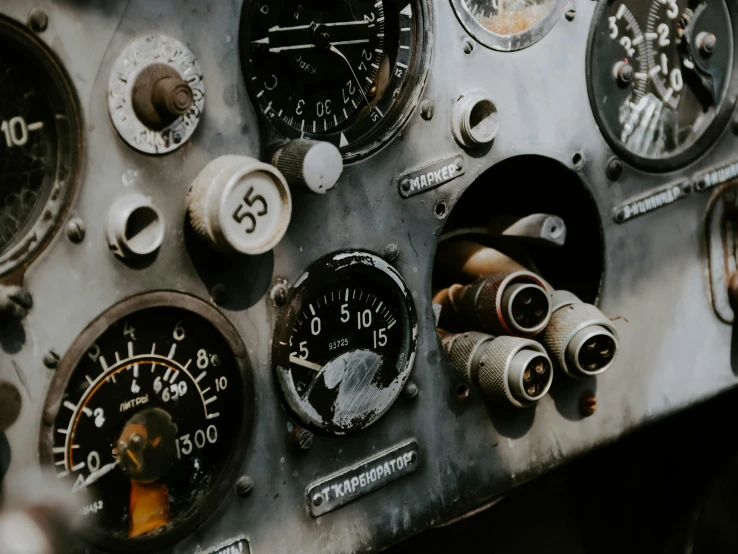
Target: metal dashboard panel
point(675, 351)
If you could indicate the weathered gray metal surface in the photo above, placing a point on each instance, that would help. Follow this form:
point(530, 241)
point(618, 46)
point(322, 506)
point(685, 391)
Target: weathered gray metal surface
point(674, 350)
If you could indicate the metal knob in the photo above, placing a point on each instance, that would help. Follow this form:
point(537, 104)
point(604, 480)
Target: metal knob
point(309, 164)
point(239, 204)
point(160, 96)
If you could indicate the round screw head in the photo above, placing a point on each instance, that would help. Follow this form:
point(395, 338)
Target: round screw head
point(426, 110)
point(76, 230)
point(625, 74)
point(468, 46)
point(317, 499)
point(301, 438)
point(391, 252)
point(587, 404)
point(279, 295)
point(571, 11)
point(410, 391)
point(614, 169)
point(244, 486)
point(51, 359)
point(707, 43)
point(38, 20)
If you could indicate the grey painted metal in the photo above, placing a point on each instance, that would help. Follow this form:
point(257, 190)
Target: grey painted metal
point(674, 350)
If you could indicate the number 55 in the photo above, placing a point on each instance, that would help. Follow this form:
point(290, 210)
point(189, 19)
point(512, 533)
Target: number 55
point(242, 212)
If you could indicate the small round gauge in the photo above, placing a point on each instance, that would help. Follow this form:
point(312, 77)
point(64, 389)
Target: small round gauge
point(40, 145)
point(148, 410)
point(508, 24)
point(342, 72)
point(345, 343)
point(659, 72)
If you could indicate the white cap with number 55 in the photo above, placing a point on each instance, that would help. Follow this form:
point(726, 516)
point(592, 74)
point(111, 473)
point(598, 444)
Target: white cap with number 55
point(240, 204)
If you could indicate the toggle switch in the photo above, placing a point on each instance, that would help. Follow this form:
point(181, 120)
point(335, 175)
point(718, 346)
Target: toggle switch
point(314, 166)
point(239, 204)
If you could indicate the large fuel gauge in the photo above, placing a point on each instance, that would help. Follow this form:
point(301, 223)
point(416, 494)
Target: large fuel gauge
point(147, 418)
point(345, 343)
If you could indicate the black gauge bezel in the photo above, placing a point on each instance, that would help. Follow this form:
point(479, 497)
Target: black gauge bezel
point(702, 144)
point(70, 145)
point(364, 137)
point(69, 362)
point(508, 43)
point(328, 269)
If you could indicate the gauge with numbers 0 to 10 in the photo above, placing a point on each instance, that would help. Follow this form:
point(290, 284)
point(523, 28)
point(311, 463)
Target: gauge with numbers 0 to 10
point(147, 418)
point(345, 343)
point(346, 71)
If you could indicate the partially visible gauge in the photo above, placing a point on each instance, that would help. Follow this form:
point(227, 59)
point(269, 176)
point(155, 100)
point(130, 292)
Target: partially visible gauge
point(345, 343)
point(508, 24)
point(148, 417)
point(659, 73)
point(40, 145)
point(346, 71)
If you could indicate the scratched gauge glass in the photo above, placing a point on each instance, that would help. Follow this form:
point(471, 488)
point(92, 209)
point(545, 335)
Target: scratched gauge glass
point(659, 74)
point(330, 70)
point(345, 343)
point(508, 24)
point(147, 422)
point(38, 143)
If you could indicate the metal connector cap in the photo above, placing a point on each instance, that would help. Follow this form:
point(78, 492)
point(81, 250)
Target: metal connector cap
point(475, 120)
point(134, 227)
point(510, 370)
point(580, 337)
point(505, 304)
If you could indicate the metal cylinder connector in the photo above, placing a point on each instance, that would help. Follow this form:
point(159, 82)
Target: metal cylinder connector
point(579, 337)
point(507, 303)
point(475, 120)
point(513, 370)
point(134, 227)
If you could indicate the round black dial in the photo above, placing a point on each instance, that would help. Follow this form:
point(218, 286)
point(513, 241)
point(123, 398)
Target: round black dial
point(147, 423)
point(659, 75)
point(38, 143)
point(332, 71)
point(345, 343)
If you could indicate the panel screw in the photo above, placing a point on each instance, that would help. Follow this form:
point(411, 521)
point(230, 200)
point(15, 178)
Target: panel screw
point(620, 216)
point(219, 294)
point(571, 11)
point(459, 162)
point(76, 230)
point(587, 404)
point(405, 185)
point(38, 20)
point(614, 169)
point(701, 184)
point(279, 295)
point(410, 391)
point(707, 43)
point(317, 499)
point(624, 74)
point(468, 46)
point(51, 359)
point(687, 187)
point(301, 438)
point(244, 486)
point(391, 252)
point(426, 110)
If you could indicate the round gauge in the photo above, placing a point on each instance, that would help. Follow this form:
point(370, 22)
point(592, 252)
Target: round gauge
point(344, 72)
point(147, 412)
point(345, 343)
point(40, 145)
point(508, 24)
point(659, 72)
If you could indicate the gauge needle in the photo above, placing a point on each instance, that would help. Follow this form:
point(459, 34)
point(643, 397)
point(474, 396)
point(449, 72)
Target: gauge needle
point(304, 363)
point(348, 63)
point(96, 475)
point(302, 37)
point(133, 458)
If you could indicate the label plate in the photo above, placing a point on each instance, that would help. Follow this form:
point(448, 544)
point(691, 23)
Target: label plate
point(354, 482)
point(232, 546)
point(431, 176)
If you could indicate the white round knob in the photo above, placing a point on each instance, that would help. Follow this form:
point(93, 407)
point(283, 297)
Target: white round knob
point(311, 164)
point(240, 204)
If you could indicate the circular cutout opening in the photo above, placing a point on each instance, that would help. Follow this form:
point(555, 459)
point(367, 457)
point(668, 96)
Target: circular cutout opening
point(462, 391)
point(577, 160)
point(440, 210)
point(144, 231)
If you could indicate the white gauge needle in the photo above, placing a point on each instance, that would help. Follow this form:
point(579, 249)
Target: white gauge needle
point(303, 35)
point(95, 475)
point(304, 363)
point(348, 63)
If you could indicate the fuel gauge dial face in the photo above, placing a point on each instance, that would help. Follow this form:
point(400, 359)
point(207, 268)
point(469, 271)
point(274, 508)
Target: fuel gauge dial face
point(345, 343)
point(146, 425)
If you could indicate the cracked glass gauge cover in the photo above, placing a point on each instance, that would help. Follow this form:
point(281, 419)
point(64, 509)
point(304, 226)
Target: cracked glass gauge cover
point(508, 24)
point(345, 343)
point(659, 73)
point(147, 419)
point(40, 145)
point(347, 72)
